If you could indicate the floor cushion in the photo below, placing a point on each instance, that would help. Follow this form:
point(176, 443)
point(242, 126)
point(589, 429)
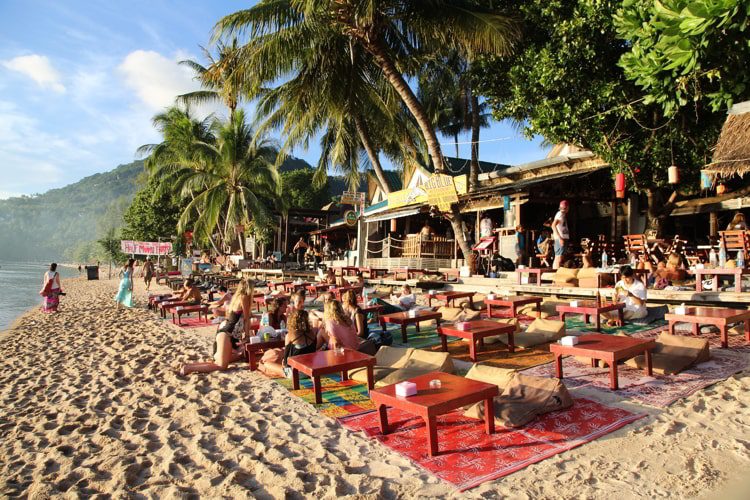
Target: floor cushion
point(673, 354)
point(491, 375)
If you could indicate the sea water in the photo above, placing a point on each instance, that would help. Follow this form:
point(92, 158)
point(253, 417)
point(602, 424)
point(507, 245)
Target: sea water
point(20, 283)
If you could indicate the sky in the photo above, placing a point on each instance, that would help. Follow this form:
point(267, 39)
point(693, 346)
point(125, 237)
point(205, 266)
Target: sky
point(81, 80)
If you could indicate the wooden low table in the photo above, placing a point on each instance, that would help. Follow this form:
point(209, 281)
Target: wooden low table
point(316, 288)
point(737, 273)
point(339, 291)
point(720, 318)
point(279, 284)
point(293, 287)
point(536, 271)
point(607, 348)
point(169, 304)
point(513, 303)
point(455, 392)
point(261, 300)
point(476, 331)
point(403, 319)
point(252, 351)
point(590, 308)
point(450, 297)
point(180, 310)
point(374, 309)
point(324, 362)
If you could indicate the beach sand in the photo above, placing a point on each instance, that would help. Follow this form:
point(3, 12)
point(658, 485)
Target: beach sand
point(90, 405)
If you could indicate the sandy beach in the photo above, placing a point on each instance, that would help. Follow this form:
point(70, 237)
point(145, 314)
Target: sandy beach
point(90, 405)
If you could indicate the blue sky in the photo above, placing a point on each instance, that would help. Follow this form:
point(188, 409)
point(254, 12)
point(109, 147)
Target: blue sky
point(80, 81)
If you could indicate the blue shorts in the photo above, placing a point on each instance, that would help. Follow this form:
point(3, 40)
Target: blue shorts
point(559, 248)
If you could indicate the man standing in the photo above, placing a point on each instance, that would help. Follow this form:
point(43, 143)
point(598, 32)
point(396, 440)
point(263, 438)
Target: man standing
point(560, 232)
point(485, 226)
point(300, 248)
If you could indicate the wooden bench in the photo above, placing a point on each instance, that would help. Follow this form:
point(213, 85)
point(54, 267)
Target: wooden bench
point(181, 310)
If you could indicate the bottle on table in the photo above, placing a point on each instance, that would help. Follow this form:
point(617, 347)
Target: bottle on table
point(264, 319)
point(712, 257)
point(604, 258)
point(722, 257)
point(741, 259)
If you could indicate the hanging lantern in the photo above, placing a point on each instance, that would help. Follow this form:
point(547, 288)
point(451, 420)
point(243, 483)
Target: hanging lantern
point(394, 225)
point(721, 189)
point(706, 180)
point(620, 194)
point(673, 175)
point(619, 182)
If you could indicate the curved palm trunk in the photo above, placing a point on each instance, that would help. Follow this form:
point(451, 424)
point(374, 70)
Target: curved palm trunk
point(364, 137)
point(475, 125)
point(396, 79)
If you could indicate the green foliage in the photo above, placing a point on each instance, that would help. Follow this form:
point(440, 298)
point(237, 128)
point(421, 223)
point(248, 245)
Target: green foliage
point(564, 84)
point(63, 223)
point(687, 50)
point(110, 245)
point(299, 191)
point(152, 215)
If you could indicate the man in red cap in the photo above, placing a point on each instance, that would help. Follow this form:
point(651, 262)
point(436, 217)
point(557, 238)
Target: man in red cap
point(560, 232)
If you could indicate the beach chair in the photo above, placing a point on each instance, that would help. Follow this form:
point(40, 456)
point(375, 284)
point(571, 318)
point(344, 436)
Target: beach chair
point(735, 241)
point(638, 244)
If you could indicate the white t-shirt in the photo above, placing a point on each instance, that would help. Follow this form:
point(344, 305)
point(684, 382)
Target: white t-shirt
point(562, 225)
point(638, 289)
point(407, 301)
point(485, 227)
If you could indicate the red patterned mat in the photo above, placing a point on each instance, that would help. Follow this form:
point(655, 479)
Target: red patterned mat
point(469, 457)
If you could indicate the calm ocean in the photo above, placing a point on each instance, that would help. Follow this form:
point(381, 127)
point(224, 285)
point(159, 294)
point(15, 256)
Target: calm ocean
point(20, 283)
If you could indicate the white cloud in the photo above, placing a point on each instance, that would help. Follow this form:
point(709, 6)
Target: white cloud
point(158, 80)
point(38, 68)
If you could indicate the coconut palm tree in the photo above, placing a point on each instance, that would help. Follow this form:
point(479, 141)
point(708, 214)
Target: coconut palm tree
point(231, 177)
point(396, 34)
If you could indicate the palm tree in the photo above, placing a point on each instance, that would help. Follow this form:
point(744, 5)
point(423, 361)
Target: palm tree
point(396, 34)
point(221, 80)
point(231, 177)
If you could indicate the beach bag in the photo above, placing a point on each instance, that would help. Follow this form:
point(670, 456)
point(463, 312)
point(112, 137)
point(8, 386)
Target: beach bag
point(47, 290)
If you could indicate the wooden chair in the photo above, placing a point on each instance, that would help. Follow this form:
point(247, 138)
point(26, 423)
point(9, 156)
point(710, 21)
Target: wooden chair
point(738, 241)
point(638, 244)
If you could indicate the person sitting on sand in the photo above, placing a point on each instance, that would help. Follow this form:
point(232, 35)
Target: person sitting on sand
point(360, 280)
point(191, 293)
point(632, 292)
point(277, 308)
point(330, 278)
point(218, 308)
point(338, 330)
point(227, 345)
point(297, 300)
point(406, 299)
point(350, 307)
point(300, 339)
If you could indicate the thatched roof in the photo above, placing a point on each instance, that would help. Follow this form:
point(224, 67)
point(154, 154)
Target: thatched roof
point(732, 154)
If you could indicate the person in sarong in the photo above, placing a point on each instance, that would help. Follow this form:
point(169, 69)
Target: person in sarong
point(125, 293)
point(51, 290)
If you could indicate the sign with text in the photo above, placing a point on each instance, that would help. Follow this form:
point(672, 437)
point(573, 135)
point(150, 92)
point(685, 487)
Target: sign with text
point(418, 194)
point(145, 247)
point(350, 217)
point(352, 198)
point(441, 191)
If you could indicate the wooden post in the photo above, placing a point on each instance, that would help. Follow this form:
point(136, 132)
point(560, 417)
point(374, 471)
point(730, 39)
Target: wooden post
point(713, 225)
point(613, 222)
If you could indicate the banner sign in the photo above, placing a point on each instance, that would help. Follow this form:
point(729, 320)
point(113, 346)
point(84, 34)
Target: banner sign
point(418, 195)
point(352, 198)
point(441, 191)
point(145, 247)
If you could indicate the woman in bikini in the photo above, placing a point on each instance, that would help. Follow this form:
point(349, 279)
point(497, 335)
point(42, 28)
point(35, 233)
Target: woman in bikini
point(227, 347)
point(300, 339)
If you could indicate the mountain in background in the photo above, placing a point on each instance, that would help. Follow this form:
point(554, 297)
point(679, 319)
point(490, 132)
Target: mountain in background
point(63, 224)
point(54, 225)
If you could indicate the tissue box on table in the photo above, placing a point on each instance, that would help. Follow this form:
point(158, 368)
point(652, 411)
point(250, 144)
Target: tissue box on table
point(573, 303)
point(405, 389)
point(569, 340)
point(254, 340)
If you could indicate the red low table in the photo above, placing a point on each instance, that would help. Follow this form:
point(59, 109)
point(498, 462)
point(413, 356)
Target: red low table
point(455, 392)
point(590, 308)
point(403, 319)
point(375, 310)
point(536, 271)
point(607, 348)
point(316, 288)
point(293, 287)
point(341, 290)
point(476, 331)
point(324, 362)
point(720, 318)
point(261, 300)
point(169, 304)
point(276, 284)
point(513, 303)
point(180, 310)
point(736, 272)
point(252, 351)
point(450, 297)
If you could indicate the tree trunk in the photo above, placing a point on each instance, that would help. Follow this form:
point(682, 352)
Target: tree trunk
point(658, 210)
point(364, 137)
point(475, 126)
point(399, 84)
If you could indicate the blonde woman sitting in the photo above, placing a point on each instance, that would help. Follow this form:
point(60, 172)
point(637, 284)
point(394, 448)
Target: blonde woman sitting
point(338, 329)
point(228, 345)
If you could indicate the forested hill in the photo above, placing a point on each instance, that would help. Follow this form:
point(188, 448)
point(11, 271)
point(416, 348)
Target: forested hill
point(56, 224)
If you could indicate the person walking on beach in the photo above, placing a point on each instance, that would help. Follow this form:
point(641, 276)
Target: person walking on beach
point(148, 273)
point(560, 233)
point(51, 290)
point(125, 293)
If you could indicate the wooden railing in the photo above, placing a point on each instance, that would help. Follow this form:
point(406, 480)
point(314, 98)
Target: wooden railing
point(436, 247)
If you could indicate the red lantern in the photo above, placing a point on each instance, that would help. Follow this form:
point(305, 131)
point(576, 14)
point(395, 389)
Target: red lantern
point(673, 175)
point(620, 182)
point(721, 189)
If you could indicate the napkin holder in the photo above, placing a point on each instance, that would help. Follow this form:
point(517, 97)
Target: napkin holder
point(406, 389)
point(490, 296)
point(254, 339)
point(569, 340)
point(462, 325)
point(573, 303)
point(412, 313)
point(680, 310)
